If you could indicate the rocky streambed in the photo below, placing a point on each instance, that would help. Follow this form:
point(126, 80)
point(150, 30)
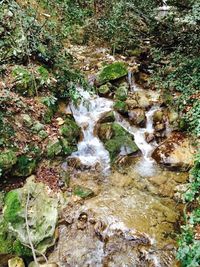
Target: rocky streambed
point(123, 182)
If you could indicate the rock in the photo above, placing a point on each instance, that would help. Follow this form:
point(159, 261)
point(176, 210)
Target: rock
point(112, 72)
point(121, 107)
point(67, 148)
point(37, 126)
point(175, 153)
point(137, 117)
point(139, 99)
point(54, 148)
point(42, 216)
point(159, 127)
point(107, 117)
point(158, 116)
point(16, 262)
point(70, 130)
point(7, 159)
point(42, 134)
point(33, 264)
point(83, 192)
point(149, 137)
point(122, 92)
point(27, 120)
point(104, 90)
point(117, 140)
point(25, 166)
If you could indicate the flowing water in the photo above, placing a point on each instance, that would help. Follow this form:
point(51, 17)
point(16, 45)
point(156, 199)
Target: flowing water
point(91, 150)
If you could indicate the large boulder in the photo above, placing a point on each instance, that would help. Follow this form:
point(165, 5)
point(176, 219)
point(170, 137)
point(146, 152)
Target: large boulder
point(112, 72)
point(31, 207)
point(117, 140)
point(175, 153)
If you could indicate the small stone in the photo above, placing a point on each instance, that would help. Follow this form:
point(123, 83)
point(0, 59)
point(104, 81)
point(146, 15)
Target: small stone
point(60, 121)
point(54, 148)
point(159, 127)
point(16, 262)
point(104, 90)
point(27, 120)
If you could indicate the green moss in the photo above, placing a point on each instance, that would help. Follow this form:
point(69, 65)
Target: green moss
point(83, 192)
point(12, 208)
point(118, 140)
point(67, 148)
point(25, 166)
point(104, 89)
point(121, 107)
point(122, 92)
point(112, 72)
point(70, 130)
point(7, 159)
point(54, 148)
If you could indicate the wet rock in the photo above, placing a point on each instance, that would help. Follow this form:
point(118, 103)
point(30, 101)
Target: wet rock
point(121, 107)
point(142, 99)
point(7, 159)
point(149, 137)
point(117, 140)
point(137, 117)
point(83, 192)
point(158, 117)
point(121, 92)
point(70, 130)
point(108, 117)
point(112, 72)
point(175, 153)
point(159, 127)
point(54, 148)
point(16, 262)
point(104, 90)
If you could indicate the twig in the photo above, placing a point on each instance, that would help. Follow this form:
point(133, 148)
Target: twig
point(28, 231)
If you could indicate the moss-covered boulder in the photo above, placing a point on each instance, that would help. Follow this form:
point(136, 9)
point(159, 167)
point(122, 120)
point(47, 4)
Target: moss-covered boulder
point(104, 90)
point(112, 72)
point(70, 131)
point(25, 166)
point(121, 92)
point(117, 140)
point(67, 147)
point(54, 148)
point(7, 159)
point(121, 107)
point(23, 209)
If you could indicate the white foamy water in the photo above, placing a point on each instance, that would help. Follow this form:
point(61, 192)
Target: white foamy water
point(146, 166)
point(91, 150)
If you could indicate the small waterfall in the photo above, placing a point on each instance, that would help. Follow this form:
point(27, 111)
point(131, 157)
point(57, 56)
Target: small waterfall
point(131, 82)
point(91, 150)
point(146, 166)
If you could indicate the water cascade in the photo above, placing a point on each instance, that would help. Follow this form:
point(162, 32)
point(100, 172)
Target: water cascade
point(91, 150)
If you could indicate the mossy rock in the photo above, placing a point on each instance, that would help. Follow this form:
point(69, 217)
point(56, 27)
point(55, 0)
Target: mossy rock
point(42, 219)
point(54, 148)
point(42, 134)
point(70, 131)
point(121, 107)
point(25, 166)
point(67, 148)
point(104, 90)
point(122, 92)
point(83, 192)
point(112, 72)
point(37, 127)
point(118, 141)
point(27, 120)
point(7, 159)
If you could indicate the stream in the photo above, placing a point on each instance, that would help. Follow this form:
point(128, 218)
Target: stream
point(132, 217)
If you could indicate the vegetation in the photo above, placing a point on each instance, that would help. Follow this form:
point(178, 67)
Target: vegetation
point(36, 72)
